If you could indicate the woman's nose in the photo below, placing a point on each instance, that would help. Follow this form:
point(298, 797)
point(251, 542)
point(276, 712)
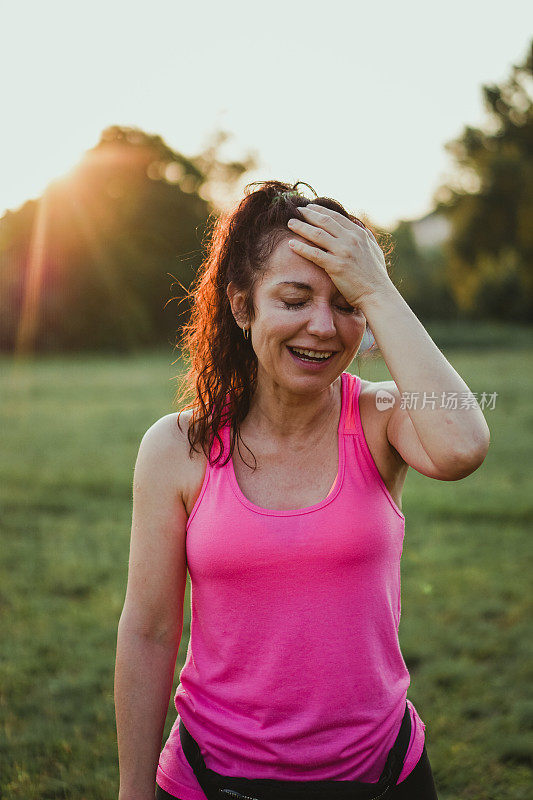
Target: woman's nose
point(321, 320)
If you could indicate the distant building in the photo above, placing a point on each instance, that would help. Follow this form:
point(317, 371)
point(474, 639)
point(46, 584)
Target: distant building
point(431, 230)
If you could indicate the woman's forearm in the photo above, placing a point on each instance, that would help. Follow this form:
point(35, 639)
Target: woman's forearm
point(144, 671)
point(422, 372)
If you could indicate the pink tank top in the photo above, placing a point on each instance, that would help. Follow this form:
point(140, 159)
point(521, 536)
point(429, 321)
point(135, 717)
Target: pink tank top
point(294, 669)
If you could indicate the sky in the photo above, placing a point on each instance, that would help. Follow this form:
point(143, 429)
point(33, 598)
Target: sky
point(356, 99)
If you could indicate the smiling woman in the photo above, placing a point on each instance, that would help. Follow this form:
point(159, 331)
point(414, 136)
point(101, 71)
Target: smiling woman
point(294, 682)
point(247, 268)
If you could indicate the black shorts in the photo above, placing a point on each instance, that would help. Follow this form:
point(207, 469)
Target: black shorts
point(419, 784)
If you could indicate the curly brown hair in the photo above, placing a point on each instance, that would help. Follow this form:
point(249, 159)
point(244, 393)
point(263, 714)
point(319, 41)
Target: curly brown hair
point(222, 367)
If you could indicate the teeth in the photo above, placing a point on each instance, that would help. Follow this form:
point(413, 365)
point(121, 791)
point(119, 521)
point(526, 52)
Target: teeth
point(312, 353)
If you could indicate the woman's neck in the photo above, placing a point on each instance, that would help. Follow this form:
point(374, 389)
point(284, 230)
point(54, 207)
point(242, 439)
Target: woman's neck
point(288, 417)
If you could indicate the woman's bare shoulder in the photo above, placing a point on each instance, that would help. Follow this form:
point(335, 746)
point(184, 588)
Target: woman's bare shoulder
point(373, 389)
point(377, 400)
point(166, 435)
point(177, 462)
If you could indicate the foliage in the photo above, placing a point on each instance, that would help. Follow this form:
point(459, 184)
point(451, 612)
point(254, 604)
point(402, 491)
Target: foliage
point(419, 275)
point(91, 264)
point(104, 258)
point(490, 204)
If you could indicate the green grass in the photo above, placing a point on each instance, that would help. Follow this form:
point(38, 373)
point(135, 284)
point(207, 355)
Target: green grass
point(71, 429)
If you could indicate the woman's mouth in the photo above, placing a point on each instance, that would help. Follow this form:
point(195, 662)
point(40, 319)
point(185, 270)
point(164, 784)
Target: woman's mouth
point(308, 358)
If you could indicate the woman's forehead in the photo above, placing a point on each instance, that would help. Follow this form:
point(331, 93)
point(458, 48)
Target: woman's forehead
point(287, 267)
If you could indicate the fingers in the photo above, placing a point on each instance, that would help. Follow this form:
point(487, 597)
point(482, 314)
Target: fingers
point(321, 211)
point(321, 229)
point(323, 216)
point(318, 257)
point(314, 233)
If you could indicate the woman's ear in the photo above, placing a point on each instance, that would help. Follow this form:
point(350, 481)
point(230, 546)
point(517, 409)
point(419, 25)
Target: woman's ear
point(237, 302)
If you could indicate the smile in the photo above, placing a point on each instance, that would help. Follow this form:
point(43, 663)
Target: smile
point(315, 357)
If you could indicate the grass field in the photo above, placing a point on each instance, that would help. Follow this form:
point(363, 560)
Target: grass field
point(71, 428)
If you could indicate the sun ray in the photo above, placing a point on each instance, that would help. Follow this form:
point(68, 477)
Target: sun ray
point(33, 281)
point(116, 286)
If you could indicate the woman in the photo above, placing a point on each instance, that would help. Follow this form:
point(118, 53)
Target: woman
point(294, 683)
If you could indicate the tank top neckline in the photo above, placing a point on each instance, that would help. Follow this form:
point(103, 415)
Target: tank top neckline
point(336, 486)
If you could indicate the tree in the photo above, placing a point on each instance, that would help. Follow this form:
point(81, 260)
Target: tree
point(93, 262)
point(419, 274)
point(489, 204)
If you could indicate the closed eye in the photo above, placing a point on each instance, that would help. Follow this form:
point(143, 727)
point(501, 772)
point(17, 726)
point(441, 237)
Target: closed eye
point(346, 309)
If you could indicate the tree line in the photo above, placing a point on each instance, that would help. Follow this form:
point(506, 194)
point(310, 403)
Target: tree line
point(104, 258)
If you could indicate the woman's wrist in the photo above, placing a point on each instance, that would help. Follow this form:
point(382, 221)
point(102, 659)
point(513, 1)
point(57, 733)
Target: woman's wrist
point(376, 299)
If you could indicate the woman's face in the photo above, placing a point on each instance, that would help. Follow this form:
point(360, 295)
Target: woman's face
point(298, 305)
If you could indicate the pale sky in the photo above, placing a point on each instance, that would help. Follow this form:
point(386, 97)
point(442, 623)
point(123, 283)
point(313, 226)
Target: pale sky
point(356, 99)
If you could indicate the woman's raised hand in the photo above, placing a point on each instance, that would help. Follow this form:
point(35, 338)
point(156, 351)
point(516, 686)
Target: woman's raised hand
point(349, 253)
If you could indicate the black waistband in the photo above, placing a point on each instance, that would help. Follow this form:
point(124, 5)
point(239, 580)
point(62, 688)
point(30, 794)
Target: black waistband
point(227, 787)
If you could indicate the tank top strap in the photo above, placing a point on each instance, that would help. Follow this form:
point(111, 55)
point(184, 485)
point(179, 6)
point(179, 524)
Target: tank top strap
point(214, 450)
point(352, 386)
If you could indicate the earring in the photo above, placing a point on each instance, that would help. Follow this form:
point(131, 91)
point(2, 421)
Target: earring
point(246, 331)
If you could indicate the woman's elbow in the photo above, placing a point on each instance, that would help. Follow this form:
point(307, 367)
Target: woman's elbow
point(465, 463)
